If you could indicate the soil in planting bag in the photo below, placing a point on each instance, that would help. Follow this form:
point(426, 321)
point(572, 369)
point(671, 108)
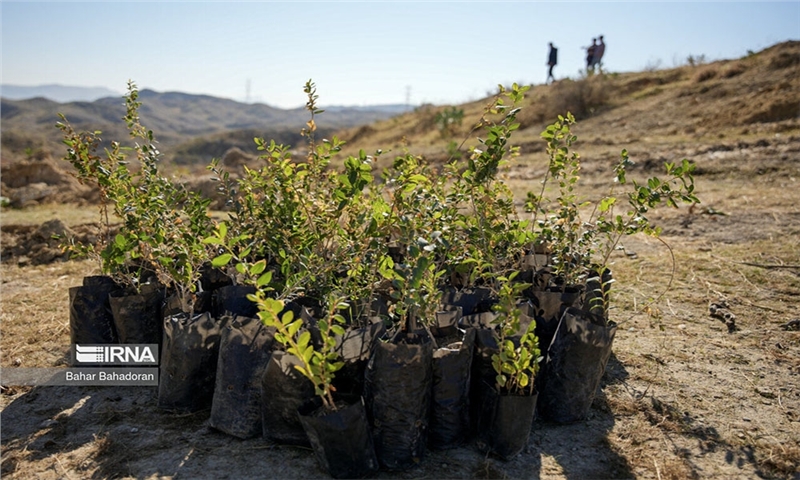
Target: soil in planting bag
point(446, 323)
point(190, 350)
point(548, 305)
point(355, 348)
point(535, 261)
point(449, 417)
point(283, 390)
point(172, 304)
point(397, 394)
point(244, 350)
point(341, 440)
point(212, 278)
point(575, 363)
point(471, 300)
point(90, 318)
point(137, 317)
point(232, 300)
point(537, 279)
point(505, 423)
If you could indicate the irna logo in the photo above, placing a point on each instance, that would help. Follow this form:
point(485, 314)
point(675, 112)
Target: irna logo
point(117, 354)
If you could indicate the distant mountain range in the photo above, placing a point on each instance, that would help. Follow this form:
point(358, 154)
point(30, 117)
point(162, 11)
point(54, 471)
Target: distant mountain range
point(56, 93)
point(68, 94)
point(202, 124)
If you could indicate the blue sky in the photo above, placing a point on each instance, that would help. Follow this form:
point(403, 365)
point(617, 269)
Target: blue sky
point(362, 53)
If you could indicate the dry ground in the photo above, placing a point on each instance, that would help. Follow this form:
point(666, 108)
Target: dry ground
point(685, 395)
point(682, 398)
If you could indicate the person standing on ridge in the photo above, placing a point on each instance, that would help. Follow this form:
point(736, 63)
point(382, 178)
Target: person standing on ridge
point(552, 60)
point(590, 56)
point(598, 55)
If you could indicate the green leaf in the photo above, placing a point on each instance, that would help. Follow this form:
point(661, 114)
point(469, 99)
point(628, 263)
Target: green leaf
point(307, 354)
point(258, 267)
point(294, 327)
point(221, 260)
point(337, 330)
point(264, 280)
point(606, 203)
point(335, 366)
point(302, 370)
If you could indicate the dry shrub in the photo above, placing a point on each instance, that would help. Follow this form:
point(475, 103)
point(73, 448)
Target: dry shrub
point(647, 93)
point(623, 405)
point(784, 60)
point(112, 456)
point(674, 469)
point(235, 157)
point(783, 460)
point(775, 111)
point(427, 121)
point(706, 73)
point(734, 70)
point(580, 97)
point(362, 132)
point(11, 460)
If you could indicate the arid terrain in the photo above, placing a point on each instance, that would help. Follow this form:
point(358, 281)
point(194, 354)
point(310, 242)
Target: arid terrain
point(704, 379)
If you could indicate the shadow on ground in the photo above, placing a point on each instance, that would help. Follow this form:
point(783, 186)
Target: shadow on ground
point(105, 432)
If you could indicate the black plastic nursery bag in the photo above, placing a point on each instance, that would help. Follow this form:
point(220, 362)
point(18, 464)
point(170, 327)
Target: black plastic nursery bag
point(505, 423)
point(397, 394)
point(450, 407)
point(244, 350)
point(190, 350)
point(137, 317)
point(90, 318)
point(283, 390)
point(341, 440)
point(575, 363)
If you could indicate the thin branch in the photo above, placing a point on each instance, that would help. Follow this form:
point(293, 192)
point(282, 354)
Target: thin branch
point(759, 265)
point(667, 289)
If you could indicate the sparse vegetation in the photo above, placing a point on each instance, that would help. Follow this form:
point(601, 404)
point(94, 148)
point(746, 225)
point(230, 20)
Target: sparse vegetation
point(706, 73)
point(448, 121)
point(695, 60)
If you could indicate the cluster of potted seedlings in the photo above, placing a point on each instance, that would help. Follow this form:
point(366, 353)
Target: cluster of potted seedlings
point(368, 318)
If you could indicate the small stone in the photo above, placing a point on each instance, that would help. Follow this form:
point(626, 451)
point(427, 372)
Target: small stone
point(134, 430)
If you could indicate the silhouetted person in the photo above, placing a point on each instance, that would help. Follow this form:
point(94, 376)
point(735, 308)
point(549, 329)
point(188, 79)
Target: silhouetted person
point(552, 60)
point(590, 56)
point(599, 50)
